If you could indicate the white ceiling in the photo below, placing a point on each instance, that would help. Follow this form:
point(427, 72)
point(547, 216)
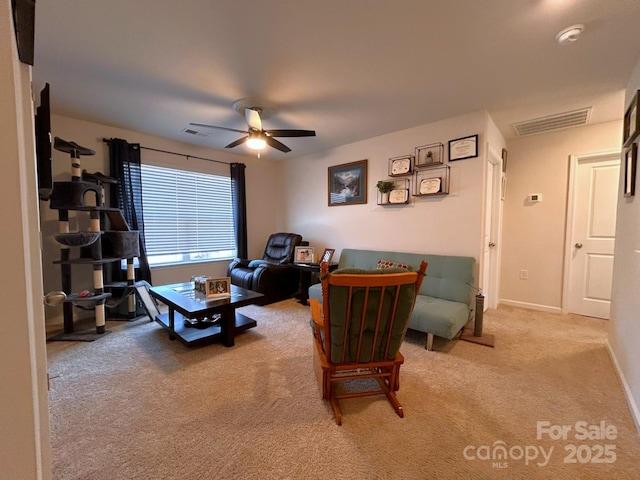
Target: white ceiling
point(349, 69)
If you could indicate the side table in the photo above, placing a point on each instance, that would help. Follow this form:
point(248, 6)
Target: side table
point(308, 275)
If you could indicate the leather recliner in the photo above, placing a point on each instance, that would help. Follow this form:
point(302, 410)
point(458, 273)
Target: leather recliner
point(270, 275)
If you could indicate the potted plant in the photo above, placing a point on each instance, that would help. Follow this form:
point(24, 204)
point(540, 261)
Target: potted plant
point(429, 158)
point(384, 187)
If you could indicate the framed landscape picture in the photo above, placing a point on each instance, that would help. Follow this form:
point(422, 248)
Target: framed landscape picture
point(631, 126)
point(347, 183)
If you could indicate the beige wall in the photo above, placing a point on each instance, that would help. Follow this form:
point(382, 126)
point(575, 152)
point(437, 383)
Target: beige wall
point(262, 208)
point(24, 438)
point(534, 234)
point(449, 224)
point(624, 328)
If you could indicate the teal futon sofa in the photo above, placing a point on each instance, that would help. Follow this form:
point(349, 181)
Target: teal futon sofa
point(445, 302)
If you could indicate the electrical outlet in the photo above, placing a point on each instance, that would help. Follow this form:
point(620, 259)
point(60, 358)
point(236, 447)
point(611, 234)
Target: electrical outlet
point(524, 274)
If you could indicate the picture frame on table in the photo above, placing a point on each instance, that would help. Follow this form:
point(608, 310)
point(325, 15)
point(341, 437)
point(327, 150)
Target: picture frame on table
point(401, 166)
point(463, 148)
point(327, 255)
point(631, 123)
point(304, 254)
point(218, 287)
point(347, 183)
point(630, 166)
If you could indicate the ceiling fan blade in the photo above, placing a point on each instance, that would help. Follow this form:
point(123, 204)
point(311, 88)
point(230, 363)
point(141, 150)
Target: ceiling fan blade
point(272, 142)
point(291, 133)
point(253, 119)
point(219, 128)
point(237, 142)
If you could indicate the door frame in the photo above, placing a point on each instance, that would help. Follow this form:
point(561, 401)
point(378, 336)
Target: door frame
point(494, 161)
point(574, 161)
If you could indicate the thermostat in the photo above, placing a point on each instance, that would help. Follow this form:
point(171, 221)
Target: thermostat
point(535, 197)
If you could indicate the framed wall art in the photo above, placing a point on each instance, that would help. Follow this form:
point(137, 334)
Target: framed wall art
point(631, 126)
point(630, 164)
point(463, 148)
point(347, 183)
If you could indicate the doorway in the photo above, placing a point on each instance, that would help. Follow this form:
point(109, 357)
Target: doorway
point(591, 225)
point(492, 228)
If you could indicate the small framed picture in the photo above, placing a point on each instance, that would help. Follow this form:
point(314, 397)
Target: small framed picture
point(630, 163)
point(399, 166)
point(631, 125)
point(463, 148)
point(304, 255)
point(327, 255)
point(218, 287)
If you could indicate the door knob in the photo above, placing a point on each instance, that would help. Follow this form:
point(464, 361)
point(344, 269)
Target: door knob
point(578, 245)
point(491, 244)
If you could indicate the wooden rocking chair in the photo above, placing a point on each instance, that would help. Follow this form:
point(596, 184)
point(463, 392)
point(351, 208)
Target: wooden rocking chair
point(359, 328)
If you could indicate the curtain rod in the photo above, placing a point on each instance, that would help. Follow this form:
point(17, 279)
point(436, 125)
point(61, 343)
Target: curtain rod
point(107, 140)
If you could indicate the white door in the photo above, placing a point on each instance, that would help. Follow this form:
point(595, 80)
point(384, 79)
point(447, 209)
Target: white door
point(593, 205)
point(489, 284)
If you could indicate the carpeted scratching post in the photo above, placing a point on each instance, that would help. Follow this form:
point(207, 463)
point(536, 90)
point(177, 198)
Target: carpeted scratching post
point(487, 339)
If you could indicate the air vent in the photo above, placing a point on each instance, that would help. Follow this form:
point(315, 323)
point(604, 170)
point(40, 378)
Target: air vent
point(553, 122)
point(191, 131)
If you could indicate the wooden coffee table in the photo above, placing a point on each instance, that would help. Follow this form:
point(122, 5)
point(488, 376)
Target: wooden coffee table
point(184, 302)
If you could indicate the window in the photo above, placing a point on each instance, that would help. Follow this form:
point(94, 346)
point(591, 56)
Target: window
point(188, 216)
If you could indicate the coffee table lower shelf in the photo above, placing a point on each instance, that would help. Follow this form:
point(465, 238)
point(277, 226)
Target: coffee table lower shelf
point(198, 335)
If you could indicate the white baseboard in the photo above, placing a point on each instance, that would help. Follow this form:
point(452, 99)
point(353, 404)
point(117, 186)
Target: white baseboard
point(530, 306)
point(633, 405)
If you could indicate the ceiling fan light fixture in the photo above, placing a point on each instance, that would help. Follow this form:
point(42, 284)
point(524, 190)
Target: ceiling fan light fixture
point(256, 143)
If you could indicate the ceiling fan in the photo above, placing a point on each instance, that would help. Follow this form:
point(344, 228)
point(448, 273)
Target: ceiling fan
point(257, 138)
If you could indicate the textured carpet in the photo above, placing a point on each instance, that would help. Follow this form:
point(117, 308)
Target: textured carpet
point(135, 405)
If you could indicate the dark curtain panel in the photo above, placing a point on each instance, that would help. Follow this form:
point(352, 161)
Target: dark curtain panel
point(239, 197)
point(124, 163)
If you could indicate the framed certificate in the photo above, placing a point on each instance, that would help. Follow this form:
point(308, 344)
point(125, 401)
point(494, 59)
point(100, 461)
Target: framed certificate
point(399, 195)
point(461, 148)
point(399, 166)
point(429, 186)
